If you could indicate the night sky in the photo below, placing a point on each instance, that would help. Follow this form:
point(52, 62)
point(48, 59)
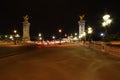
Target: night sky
point(47, 16)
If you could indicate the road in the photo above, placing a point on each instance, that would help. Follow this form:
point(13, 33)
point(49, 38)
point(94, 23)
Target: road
point(61, 62)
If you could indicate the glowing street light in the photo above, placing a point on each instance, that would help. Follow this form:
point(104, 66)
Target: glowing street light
point(106, 23)
point(11, 37)
point(15, 31)
point(75, 34)
point(40, 38)
point(60, 31)
point(6, 36)
point(106, 20)
point(102, 34)
point(106, 17)
point(84, 34)
point(65, 35)
point(90, 31)
point(15, 40)
point(39, 34)
point(53, 37)
point(17, 35)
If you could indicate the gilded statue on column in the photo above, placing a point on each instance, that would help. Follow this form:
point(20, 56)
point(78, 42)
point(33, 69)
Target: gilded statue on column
point(26, 17)
point(81, 17)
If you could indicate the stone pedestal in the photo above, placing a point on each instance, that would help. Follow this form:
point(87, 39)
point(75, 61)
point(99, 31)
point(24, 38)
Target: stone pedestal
point(81, 27)
point(26, 29)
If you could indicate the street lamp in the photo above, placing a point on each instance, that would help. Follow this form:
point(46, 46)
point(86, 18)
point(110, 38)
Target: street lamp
point(65, 35)
point(84, 36)
point(11, 37)
point(15, 31)
point(53, 37)
point(40, 36)
point(106, 23)
point(90, 30)
point(75, 34)
point(102, 34)
point(17, 35)
point(60, 31)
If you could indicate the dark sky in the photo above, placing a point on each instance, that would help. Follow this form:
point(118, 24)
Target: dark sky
point(47, 16)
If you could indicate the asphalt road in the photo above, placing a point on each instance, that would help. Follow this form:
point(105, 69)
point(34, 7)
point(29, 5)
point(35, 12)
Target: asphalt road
point(62, 62)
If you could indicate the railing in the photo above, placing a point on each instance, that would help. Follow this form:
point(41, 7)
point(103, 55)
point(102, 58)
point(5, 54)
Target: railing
point(113, 48)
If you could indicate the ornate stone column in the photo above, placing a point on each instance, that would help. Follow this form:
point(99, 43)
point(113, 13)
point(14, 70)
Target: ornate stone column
point(26, 29)
point(81, 25)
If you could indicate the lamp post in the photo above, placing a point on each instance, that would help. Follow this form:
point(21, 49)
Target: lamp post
point(40, 36)
point(90, 30)
point(60, 31)
point(84, 37)
point(11, 37)
point(106, 24)
point(75, 34)
point(53, 37)
point(102, 35)
point(15, 31)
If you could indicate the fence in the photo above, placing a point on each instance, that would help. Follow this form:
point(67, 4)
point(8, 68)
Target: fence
point(113, 48)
